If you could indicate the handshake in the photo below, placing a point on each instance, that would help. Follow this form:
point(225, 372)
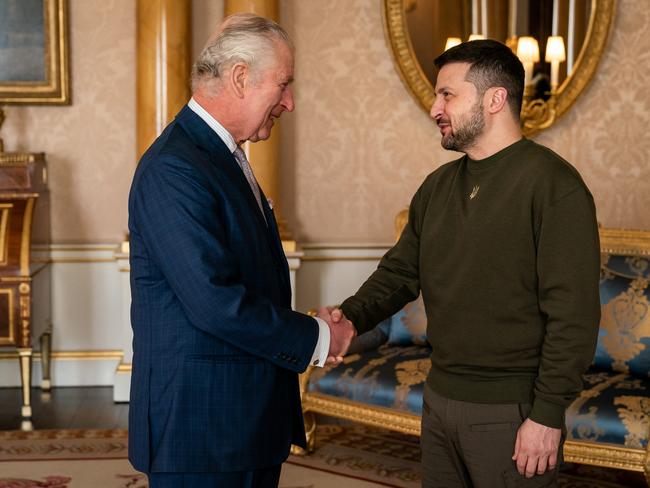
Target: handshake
point(342, 332)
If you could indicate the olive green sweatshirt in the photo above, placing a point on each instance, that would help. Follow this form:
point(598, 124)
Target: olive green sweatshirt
point(505, 252)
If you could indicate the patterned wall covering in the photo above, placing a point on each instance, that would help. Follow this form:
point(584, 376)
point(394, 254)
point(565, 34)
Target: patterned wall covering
point(357, 147)
point(90, 145)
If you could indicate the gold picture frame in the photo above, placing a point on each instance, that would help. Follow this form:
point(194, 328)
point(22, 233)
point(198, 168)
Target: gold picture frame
point(40, 38)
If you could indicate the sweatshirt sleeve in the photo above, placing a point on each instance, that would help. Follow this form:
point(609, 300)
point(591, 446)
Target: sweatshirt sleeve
point(395, 282)
point(568, 267)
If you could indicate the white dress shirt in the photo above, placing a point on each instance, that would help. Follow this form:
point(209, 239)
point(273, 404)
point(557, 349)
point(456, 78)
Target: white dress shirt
point(323, 343)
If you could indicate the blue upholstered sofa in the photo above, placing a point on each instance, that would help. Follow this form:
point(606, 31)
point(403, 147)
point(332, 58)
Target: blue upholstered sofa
point(381, 381)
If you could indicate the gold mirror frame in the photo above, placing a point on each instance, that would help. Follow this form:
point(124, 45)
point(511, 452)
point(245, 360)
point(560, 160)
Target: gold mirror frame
point(535, 115)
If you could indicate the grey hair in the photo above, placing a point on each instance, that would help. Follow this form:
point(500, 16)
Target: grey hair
point(242, 38)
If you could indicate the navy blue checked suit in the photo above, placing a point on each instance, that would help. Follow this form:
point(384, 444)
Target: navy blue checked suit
point(217, 348)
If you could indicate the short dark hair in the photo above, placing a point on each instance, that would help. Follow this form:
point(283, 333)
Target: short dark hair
point(492, 64)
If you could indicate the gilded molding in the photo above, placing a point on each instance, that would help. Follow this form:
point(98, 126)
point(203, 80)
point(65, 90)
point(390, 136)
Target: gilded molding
point(534, 118)
point(74, 260)
point(11, 339)
point(26, 237)
point(14, 279)
point(24, 302)
point(399, 42)
point(56, 88)
point(72, 248)
point(72, 355)
point(625, 241)
point(336, 245)
point(607, 456)
point(341, 258)
point(5, 209)
point(14, 195)
point(124, 368)
point(596, 38)
point(382, 417)
point(20, 159)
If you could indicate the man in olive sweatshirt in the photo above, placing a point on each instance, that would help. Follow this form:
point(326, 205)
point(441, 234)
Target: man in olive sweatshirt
point(503, 245)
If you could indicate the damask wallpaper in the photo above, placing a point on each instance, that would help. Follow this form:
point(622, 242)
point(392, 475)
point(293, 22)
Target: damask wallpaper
point(356, 148)
point(89, 145)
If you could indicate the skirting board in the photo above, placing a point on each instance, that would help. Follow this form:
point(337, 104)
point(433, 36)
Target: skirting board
point(97, 368)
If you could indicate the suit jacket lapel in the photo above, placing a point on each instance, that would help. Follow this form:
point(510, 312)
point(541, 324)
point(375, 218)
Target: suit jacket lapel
point(274, 236)
point(206, 138)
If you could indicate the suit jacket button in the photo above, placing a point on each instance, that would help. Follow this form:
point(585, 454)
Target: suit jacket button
point(316, 362)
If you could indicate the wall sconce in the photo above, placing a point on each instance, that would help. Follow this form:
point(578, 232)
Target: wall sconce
point(476, 37)
point(528, 54)
point(536, 112)
point(452, 41)
point(555, 54)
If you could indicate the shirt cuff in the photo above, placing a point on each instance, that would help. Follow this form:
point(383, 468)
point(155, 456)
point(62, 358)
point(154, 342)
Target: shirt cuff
point(323, 345)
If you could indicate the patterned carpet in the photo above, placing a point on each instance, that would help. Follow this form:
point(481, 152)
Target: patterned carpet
point(347, 457)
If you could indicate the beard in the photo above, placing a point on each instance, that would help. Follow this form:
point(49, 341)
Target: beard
point(470, 127)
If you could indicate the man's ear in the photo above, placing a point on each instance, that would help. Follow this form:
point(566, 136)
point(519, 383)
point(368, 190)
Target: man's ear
point(496, 99)
point(239, 78)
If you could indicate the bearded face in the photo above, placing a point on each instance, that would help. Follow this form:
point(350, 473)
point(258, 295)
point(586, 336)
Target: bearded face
point(458, 108)
point(465, 130)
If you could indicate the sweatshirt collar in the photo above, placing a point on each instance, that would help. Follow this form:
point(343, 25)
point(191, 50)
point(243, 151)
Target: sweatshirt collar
point(485, 163)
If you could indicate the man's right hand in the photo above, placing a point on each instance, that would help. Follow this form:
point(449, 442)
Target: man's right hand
point(342, 332)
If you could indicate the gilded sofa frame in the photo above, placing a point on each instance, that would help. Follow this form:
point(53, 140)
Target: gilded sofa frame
point(612, 241)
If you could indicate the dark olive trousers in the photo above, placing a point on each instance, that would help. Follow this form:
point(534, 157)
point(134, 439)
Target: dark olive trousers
point(470, 445)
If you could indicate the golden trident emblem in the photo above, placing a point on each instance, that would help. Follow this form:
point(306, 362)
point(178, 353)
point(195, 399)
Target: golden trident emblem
point(474, 192)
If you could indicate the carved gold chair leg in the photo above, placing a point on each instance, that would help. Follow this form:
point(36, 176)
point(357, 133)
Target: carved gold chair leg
point(310, 431)
point(297, 450)
point(46, 357)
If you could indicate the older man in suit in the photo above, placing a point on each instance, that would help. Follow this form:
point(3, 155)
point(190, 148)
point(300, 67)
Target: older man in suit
point(217, 348)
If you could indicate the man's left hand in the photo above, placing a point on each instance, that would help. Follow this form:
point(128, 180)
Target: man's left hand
point(536, 448)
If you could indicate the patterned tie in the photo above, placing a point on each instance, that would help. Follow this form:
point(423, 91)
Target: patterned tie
point(240, 156)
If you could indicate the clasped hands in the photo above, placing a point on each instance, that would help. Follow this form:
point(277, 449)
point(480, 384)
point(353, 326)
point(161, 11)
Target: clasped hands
point(342, 332)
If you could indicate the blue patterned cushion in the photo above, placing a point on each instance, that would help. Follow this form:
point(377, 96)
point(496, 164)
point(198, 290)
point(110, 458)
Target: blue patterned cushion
point(613, 408)
point(409, 325)
point(386, 377)
point(624, 335)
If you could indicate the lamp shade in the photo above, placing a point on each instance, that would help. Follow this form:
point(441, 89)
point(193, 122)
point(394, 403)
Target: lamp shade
point(528, 50)
point(555, 49)
point(476, 37)
point(452, 41)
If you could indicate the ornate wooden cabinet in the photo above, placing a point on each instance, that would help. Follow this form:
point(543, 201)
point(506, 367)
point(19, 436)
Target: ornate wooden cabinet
point(23, 187)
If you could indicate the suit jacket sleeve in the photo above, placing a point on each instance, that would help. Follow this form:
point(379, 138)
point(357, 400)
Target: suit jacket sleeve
point(181, 218)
